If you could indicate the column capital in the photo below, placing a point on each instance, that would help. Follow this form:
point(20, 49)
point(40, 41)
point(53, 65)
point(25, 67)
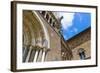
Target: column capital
point(46, 49)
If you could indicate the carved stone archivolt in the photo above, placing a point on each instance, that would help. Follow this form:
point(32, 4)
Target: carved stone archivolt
point(34, 40)
point(32, 32)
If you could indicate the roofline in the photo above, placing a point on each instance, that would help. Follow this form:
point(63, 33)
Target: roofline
point(79, 34)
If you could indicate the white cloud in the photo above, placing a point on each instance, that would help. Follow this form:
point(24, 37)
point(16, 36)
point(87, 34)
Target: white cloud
point(75, 30)
point(65, 36)
point(79, 16)
point(67, 19)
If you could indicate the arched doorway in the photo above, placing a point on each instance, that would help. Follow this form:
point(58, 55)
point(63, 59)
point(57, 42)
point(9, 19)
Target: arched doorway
point(35, 38)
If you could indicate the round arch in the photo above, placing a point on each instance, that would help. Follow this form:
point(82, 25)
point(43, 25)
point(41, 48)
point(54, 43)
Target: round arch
point(44, 29)
point(36, 31)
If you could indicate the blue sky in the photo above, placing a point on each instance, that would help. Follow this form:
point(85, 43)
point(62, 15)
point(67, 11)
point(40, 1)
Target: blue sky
point(74, 23)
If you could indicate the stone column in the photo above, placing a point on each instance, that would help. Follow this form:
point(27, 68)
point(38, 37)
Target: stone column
point(45, 14)
point(40, 55)
point(28, 56)
point(36, 55)
point(25, 52)
point(49, 19)
point(43, 55)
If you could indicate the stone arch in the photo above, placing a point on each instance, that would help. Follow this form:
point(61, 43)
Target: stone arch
point(34, 29)
point(44, 29)
point(35, 37)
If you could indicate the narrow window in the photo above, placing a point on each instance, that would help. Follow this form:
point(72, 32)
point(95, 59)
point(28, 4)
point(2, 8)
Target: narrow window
point(82, 53)
point(47, 16)
point(43, 12)
point(53, 24)
point(50, 20)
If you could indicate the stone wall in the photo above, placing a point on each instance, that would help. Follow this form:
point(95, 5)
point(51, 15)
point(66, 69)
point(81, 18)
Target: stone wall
point(54, 54)
point(81, 40)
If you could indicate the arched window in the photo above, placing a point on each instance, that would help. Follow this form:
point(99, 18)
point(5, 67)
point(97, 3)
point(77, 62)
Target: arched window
point(43, 12)
point(50, 20)
point(81, 53)
point(47, 16)
point(53, 24)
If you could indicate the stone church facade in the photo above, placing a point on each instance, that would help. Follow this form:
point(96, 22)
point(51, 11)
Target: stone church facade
point(42, 39)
